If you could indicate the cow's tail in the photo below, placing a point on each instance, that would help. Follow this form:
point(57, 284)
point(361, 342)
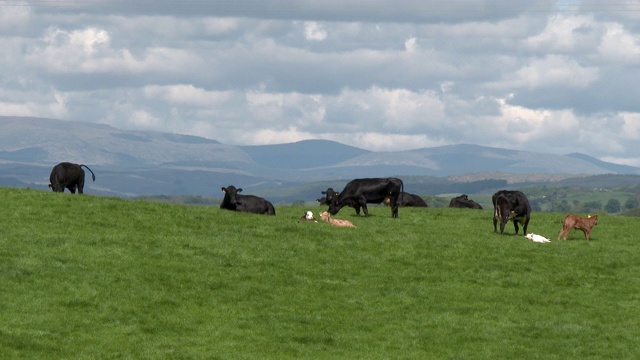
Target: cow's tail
point(93, 176)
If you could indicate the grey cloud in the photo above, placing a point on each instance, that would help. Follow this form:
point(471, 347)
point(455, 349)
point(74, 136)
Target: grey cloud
point(327, 10)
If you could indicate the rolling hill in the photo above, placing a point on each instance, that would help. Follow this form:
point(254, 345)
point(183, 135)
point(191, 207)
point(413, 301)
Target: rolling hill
point(131, 163)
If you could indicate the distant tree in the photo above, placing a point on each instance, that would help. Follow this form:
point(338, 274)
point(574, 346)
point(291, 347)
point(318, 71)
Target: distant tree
point(631, 203)
point(560, 206)
point(612, 206)
point(591, 206)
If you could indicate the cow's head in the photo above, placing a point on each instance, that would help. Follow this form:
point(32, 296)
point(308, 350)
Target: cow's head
point(56, 187)
point(328, 197)
point(231, 192)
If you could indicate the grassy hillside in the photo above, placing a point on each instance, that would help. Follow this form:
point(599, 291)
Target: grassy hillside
point(86, 277)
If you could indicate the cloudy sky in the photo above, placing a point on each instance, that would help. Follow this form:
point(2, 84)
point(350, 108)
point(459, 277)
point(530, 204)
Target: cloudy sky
point(384, 75)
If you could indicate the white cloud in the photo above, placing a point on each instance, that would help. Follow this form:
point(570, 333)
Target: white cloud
point(410, 45)
point(618, 45)
point(552, 70)
point(14, 17)
point(187, 95)
point(314, 31)
point(563, 33)
point(382, 77)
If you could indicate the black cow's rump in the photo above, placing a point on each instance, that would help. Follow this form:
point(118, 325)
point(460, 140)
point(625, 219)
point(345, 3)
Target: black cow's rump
point(463, 201)
point(358, 192)
point(246, 203)
point(70, 176)
point(510, 205)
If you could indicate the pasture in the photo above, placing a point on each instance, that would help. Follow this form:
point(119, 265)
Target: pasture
point(86, 277)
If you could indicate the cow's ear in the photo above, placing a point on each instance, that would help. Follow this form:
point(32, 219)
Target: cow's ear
point(224, 190)
point(238, 189)
point(323, 192)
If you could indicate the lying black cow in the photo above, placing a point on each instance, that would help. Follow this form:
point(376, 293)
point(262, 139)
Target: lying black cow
point(357, 193)
point(510, 205)
point(463, 201)
point(70, 176)
point(408, 199)
point(245, 203)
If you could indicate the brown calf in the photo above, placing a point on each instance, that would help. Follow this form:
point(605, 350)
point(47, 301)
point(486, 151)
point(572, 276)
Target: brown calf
point(335, 222)
point(578, 222)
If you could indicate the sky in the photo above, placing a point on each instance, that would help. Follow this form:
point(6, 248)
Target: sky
point(384, 75)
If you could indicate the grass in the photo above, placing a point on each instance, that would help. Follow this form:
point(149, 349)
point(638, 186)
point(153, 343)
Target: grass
point(106, 278)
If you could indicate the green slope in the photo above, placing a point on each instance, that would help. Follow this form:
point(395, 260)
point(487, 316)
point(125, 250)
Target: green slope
point(86, 277)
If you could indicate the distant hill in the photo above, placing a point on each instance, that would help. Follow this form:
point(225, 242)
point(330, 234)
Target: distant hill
point(307, 154)
point(131, 163)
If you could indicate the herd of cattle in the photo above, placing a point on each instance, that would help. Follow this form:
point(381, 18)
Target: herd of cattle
point(508, 205)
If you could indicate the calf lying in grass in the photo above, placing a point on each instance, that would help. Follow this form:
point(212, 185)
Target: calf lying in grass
point(335, 222)
point(537, 238)
point(308, 216)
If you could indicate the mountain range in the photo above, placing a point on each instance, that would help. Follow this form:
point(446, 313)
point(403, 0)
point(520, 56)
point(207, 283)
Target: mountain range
point(130, 163)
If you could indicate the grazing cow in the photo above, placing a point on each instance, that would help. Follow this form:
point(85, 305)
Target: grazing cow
point(245, 203)
point(463, 201)
point(357, 193)
point(335, 222)
point(70, 176)
point(579, 223)
point(407, 199)
point(308, 216)
point(510, 205)
point(537, 238)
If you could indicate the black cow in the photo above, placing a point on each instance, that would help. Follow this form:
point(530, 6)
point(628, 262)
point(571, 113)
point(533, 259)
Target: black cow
point(510, 205)
point(70, 176)
point(245, 203)
point(328, 197)
point(463, 201)
point(357, 193)
point(408, 199)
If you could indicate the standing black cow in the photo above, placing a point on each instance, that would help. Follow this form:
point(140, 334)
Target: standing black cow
point(357, 193)
point(328, 197)
point(510, 205)
point(70, 176)
point(463, 201)
point(245, 203)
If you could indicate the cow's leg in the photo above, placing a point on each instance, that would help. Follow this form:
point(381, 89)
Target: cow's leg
point(357, 207)
point(586, 233)
point(526, 224)
point(515, 225)
point(72, 189)
point(365, 210)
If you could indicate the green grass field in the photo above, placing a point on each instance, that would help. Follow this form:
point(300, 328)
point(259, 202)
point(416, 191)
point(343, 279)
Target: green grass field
point(86, 277)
